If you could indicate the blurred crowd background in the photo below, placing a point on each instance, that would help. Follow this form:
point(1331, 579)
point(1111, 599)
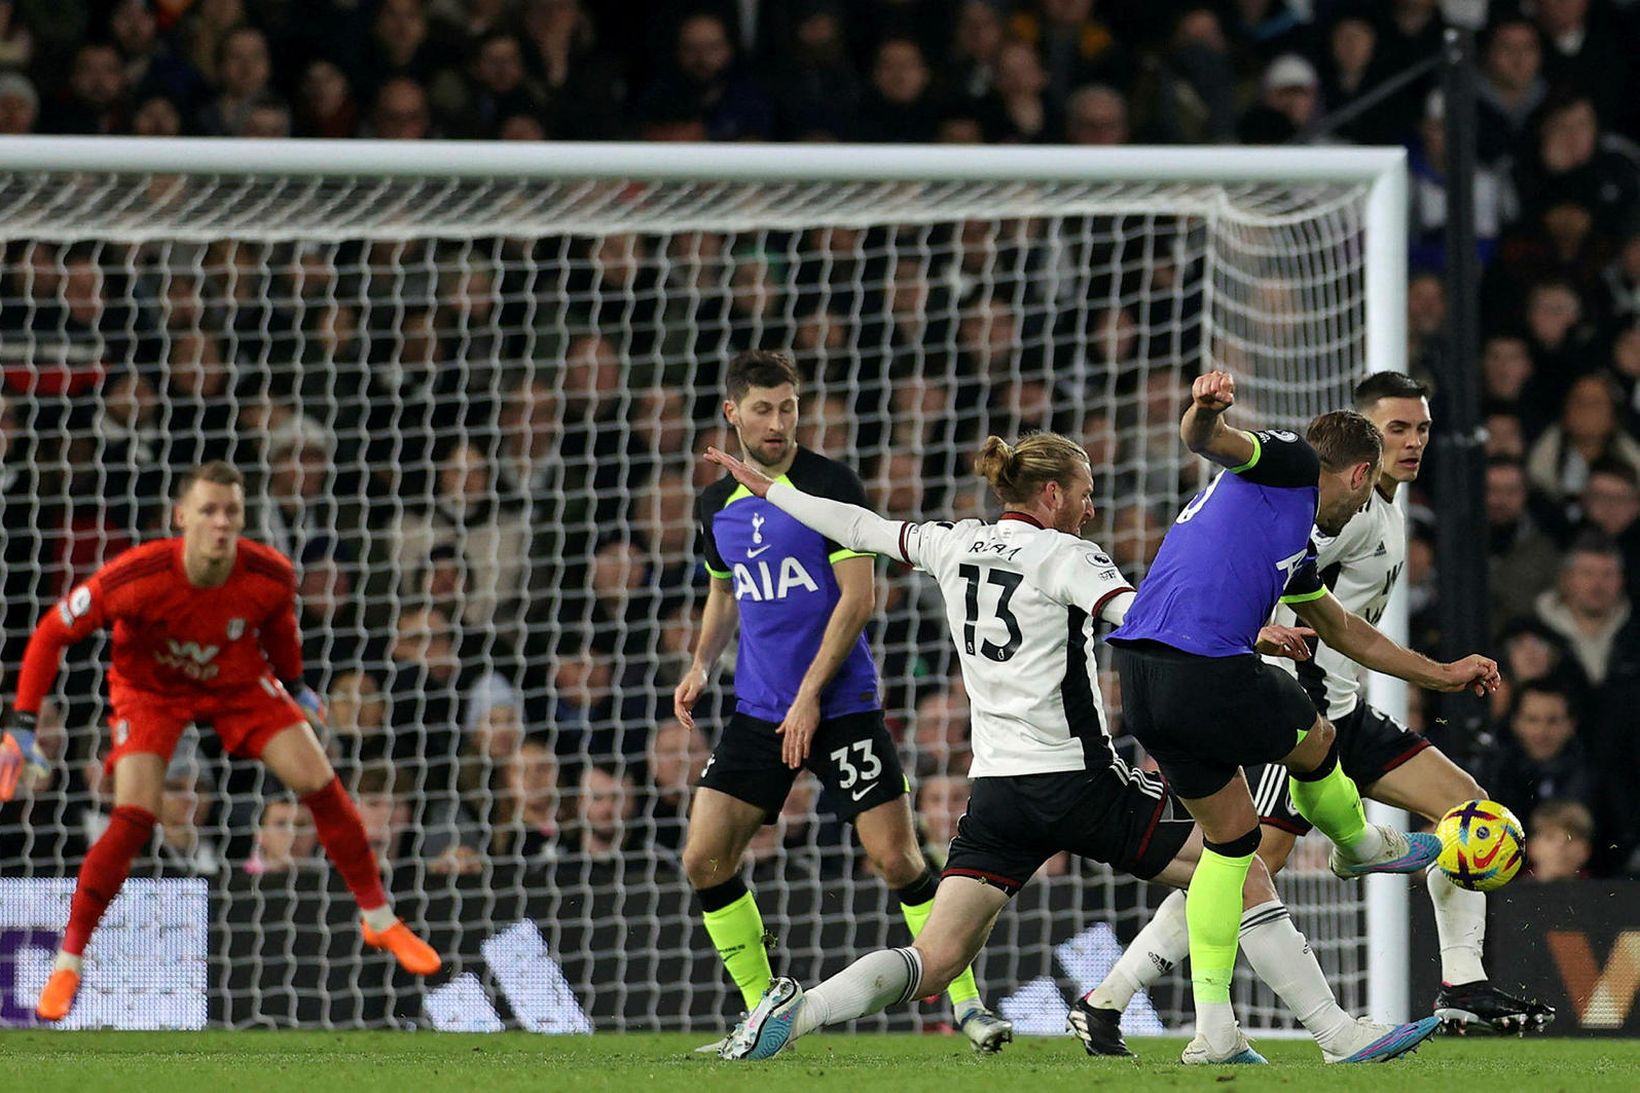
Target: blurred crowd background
point(493, 521)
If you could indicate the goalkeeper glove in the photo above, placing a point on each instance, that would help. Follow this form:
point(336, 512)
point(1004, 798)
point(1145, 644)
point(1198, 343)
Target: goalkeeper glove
point(310, 701)
point(21, 760)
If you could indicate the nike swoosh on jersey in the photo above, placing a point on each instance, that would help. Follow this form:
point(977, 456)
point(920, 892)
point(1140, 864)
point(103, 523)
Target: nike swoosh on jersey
point(750, 553)
point(864, 791)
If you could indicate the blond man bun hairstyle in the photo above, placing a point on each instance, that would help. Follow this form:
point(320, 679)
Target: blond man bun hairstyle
point(1017, 472)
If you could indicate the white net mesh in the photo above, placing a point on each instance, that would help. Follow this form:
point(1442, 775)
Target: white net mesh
point(468, 408)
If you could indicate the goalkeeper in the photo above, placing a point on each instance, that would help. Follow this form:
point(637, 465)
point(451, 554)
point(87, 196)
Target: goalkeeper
point(204, 631)
point(805, 689)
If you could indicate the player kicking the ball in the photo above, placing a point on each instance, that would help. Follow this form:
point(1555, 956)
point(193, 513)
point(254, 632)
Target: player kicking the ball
point(1024, 595)
point(1204, 705)
point(1389, 763)
point(204, 631)
point(805, 690)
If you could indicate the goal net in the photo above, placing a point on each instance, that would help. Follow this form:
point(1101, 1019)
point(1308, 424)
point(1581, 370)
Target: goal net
point(470, 386)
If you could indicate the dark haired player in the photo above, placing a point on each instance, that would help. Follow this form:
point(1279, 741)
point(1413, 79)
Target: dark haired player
point(204, 630)
point(1204, 705)
point(1391, 764)
point(805, 689)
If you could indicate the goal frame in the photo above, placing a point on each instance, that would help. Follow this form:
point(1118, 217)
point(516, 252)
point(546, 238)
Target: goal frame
point(1382, 170)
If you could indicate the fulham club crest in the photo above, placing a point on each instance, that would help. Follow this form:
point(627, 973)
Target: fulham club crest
point(236, 629)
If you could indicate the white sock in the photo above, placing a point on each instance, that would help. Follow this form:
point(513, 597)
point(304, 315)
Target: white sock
point(1161, 946)
point(1282, 958)
point(1370, 844)
point(1216, 1024)
point(887, 977)
point(1460, 921)
point(67, 962)
point(379, 918)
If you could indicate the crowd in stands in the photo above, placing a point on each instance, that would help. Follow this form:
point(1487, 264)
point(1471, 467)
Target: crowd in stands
point(480, 455)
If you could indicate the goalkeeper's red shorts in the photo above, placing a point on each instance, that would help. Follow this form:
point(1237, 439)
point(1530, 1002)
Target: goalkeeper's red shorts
point(150, 723)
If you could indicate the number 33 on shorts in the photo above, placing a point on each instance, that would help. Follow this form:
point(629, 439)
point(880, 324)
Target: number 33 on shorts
point(864, 775)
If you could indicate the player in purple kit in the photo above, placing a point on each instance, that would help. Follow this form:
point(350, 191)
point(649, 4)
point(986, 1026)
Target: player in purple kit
point(1202, 702)
point(805, 689)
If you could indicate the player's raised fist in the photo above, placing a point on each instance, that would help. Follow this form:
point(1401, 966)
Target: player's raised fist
point(753, 479)
point(1214, 391)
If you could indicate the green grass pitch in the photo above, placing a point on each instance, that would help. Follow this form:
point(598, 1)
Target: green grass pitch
point(394, 1062)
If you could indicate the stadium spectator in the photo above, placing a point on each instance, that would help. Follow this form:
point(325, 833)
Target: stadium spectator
point(325, 102)
point(157, 116)
point(496, 86)
point(1096, 115)
point(1610, 504)
point(940, 744)
point(403, 47)
point(1290, 102)
point(1586, 49)
point(19, 105)
point(1521, 554)
point(977, 40)
point(95, 101)
point(357, 715)
point(1559, 841)
point(606, 801)
point(780, 845)
point(1428, 169)
point(488, 532)
point(1510, 90)
point(677, 754)
point(125, 473)
point(185, 809)
point(899, 106)
point(532, 779)
point(1539, 756)
point(385, 814)
point(816, 90)
point(400, 111)
point(16, 39)
point(244, 75)
point(1192, 97)
point(1506, 369)
point(152, 64)
point(584, 89)
point(1589, 430)
point(285, 840)
point(704, 83)
point(1076, 47)
point(1574, 158)
point(265, 118)
point(1023, 114)
point(1588, 608)
point(941, 801)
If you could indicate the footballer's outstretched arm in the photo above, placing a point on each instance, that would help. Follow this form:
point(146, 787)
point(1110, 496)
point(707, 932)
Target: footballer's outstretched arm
point(850, 525)
point(1203, 428)
point(1365, 644)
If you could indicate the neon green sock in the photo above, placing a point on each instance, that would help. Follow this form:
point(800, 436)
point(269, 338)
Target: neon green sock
point(963, 988)
point(1333, 805)
point(737, 931)
point(1212, 909)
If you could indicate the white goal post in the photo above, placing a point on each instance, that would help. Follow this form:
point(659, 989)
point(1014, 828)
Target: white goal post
point(466, 381)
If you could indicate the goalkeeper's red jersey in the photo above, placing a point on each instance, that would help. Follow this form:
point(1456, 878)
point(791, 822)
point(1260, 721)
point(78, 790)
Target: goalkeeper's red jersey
point(171, 638)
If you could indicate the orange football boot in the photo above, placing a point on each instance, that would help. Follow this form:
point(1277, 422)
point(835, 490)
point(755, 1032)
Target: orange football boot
point(58, 997)
point(413, 954)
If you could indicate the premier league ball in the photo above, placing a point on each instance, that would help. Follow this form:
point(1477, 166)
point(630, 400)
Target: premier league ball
point(1482, 845)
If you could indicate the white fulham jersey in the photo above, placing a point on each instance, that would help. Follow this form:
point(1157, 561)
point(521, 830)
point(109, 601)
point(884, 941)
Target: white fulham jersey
point(1361, 565)
point(1021, 601)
